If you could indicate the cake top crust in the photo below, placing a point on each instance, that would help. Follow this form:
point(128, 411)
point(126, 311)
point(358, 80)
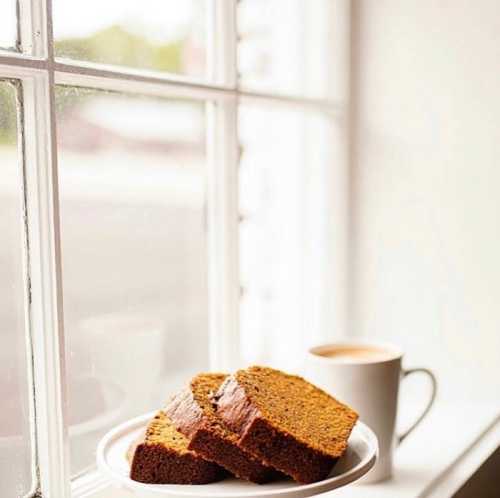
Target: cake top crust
point(299, 408)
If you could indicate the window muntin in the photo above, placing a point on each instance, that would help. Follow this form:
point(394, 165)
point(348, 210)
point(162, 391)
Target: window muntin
point(161, 35)
point(132, 192)
point(15, 432)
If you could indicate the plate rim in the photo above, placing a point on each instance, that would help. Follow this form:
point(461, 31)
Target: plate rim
point(177, 489)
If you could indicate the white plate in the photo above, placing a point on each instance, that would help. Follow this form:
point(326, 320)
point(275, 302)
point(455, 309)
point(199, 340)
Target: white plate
point(111, 460)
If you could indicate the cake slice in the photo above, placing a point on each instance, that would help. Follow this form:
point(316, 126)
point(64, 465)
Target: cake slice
point(161, 456)
point(193, 414)
point(285, 421)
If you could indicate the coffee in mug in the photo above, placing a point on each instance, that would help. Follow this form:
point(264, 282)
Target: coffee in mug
point(349, 354)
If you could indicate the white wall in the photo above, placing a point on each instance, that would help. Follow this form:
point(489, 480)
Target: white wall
point(426, 184)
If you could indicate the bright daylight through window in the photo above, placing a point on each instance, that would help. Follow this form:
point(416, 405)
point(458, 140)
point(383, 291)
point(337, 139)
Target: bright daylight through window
point(8, 32)
point(165, 35)
point(142, 152)
point(135, 279)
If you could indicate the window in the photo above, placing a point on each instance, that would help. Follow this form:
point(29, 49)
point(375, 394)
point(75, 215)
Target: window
point(152, 163)
point(283, 46)
point(281, 224)
point(132, 194)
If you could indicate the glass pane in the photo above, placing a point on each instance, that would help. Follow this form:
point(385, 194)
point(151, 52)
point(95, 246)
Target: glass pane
point(15, 442)
point(163, 35)
point(283, 46)
point(282, 224)
point(8, 29)
point(132, 187)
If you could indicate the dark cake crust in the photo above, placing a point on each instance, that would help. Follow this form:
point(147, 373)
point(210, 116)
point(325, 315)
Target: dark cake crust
point(273, 446)
point(155, 464)
point(206, 440)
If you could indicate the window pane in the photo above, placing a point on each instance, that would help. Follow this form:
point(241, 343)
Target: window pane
point(8, 31)
point(15, 442)
point(283, 46)
point(163, 35)
point(285, 154)
point(132, 187)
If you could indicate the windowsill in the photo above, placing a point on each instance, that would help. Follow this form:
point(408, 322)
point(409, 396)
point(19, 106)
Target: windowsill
point(434, 461)
point(440, 456)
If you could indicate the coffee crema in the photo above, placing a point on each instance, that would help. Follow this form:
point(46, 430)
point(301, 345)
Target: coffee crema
point(355, 354)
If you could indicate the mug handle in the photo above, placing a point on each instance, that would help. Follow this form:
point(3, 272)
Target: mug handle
point(432, 377)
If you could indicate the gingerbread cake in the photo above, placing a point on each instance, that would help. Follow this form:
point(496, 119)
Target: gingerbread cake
point(192, 411)
point(161, 456)
point(285, 421)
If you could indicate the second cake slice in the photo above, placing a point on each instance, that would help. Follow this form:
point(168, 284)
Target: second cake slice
point(193, 414)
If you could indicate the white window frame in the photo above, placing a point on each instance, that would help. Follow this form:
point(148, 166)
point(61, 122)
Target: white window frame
point(38, 74)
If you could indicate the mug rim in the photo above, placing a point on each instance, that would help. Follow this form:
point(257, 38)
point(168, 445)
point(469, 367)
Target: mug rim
point(395, 353)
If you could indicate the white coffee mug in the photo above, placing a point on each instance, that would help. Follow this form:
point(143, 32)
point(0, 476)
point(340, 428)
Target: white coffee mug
point(366, 376)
